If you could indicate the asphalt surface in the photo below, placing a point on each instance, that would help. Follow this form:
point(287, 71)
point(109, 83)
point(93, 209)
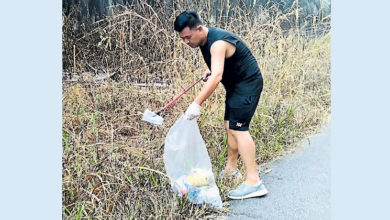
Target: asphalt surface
point(298, 185)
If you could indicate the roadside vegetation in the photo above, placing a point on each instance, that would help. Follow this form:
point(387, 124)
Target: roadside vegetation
point(117, 67)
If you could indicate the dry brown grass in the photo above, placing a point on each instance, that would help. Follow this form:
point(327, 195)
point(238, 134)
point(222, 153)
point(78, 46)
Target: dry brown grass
point(112, 161)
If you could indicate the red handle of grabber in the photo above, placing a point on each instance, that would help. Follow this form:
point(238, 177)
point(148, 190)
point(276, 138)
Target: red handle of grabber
point(181, 94)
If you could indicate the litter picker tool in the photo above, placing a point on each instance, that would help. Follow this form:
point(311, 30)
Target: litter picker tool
point(155, 118)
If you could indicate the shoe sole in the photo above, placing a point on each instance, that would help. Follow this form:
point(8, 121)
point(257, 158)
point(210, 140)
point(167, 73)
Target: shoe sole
point(251, 195)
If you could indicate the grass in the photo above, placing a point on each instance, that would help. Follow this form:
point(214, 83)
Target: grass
point(112, 161)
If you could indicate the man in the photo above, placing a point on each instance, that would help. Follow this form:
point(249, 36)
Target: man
point(232, 64)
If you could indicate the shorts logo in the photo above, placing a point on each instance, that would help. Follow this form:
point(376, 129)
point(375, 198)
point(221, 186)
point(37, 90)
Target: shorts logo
point(239, 124)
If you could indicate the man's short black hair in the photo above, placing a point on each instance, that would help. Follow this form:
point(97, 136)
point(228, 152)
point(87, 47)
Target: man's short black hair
point(188, 18)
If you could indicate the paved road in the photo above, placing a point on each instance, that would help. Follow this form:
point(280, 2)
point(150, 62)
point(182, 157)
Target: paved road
point(299, 186)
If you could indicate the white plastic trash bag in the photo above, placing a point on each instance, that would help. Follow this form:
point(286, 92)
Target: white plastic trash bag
point(187, 163)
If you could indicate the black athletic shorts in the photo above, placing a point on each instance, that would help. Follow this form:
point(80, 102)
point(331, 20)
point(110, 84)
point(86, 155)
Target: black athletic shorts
point(239, 110)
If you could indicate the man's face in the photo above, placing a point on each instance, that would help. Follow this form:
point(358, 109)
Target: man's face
point(191, 36)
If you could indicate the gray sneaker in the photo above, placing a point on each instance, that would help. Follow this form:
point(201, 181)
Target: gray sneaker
point(236, 174)
point(245, 191)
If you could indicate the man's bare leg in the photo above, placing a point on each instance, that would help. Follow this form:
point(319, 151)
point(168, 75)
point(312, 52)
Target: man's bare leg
point(247, 151)
point(231, 164)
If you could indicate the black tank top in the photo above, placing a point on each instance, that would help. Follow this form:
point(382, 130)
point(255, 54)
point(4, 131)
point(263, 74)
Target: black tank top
point(241, 73)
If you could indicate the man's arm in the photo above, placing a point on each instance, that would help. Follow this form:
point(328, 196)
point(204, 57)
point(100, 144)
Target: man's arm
point(218, 52)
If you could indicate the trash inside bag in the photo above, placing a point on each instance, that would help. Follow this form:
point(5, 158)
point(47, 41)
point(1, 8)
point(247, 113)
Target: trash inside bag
point(187, 163)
